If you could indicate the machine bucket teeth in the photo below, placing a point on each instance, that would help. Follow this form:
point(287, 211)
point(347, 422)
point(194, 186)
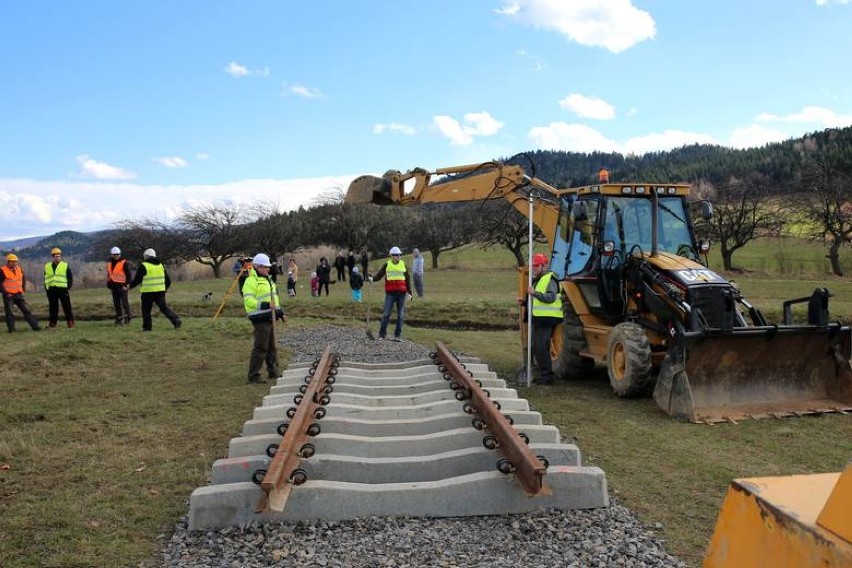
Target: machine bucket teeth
point(369, 189)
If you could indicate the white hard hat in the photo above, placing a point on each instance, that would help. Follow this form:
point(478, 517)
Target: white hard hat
point(150, 253)
point(115, 250)
point(261, 259)
point(395, 250)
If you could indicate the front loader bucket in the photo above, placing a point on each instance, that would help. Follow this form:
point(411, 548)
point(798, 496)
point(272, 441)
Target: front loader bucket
point(757, 372)
point(369, 189)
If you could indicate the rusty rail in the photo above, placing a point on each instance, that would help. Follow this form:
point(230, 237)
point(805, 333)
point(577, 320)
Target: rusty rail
point(283, 472)
point(527, 467)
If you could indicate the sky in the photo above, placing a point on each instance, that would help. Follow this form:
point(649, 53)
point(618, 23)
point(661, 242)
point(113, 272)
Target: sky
point(113, 110)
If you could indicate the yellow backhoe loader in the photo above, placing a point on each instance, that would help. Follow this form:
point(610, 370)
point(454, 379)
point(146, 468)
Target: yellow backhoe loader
point(641, 301)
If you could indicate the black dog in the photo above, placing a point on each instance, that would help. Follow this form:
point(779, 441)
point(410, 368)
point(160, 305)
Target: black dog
point(208, 297)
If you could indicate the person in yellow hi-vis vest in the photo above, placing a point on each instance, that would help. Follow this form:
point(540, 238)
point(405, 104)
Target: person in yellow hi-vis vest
point(57, 284)
point(546, 314)
point(261, 302)
point(153, 281)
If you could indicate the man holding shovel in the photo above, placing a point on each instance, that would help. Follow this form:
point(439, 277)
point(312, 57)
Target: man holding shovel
point(260, 299)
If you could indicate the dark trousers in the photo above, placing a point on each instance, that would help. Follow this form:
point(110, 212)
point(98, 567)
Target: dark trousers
point(10, 300)
point(341, 274)
point(321, 285)
point(393, 299)
point(121, 303)
point(159, 298)
point(56, 296)
point(541, 333)
point(263, 351)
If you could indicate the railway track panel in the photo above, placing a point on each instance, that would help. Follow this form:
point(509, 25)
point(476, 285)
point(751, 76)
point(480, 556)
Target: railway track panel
point(405, 439)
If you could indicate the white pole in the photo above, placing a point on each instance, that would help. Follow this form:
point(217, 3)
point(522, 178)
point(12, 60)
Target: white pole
point(529, 298)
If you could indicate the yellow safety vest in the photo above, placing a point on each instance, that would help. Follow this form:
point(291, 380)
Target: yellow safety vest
point(541, 309)
point(56, 277)
point(154, 279)
point(257, 290)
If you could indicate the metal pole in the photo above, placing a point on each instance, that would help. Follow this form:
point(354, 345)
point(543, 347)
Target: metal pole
point(529, 298)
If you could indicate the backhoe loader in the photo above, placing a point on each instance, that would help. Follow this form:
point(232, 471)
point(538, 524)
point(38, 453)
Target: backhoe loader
point(641, 300)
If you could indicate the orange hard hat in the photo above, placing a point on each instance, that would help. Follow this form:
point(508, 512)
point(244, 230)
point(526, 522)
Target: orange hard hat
point(55, 250)
point(539, 259)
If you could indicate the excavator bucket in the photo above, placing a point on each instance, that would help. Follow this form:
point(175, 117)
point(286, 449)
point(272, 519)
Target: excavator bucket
point(756, 373)
point(369, 189)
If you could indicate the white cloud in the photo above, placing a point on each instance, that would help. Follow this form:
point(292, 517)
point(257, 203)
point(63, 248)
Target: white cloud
point(817, 115)
point(665, 140)
point(755, 135)
point(34, 207)
point(381, 128)
point(588, 107)
point(827, 2)
point(234, 69)
point(307, 92)
point(90, 168)
point(582, 138)
point(571, 138)
point(474, 124)
point(615, 25)
point(172, 162)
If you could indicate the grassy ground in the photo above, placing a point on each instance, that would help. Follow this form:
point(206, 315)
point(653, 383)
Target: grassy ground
point(104, 432)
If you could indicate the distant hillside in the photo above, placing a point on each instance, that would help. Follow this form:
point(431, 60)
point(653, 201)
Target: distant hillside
point(73, 244)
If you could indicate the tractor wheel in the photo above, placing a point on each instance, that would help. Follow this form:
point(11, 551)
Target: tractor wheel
point(569, 363)
point(629, 360)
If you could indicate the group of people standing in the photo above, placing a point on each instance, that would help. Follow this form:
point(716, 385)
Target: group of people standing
point(151, 276)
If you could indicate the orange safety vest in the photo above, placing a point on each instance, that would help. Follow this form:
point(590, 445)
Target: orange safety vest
point(14, 281)
point(116, 273)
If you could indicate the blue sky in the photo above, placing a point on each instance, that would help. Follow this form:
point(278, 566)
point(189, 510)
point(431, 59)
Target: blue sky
point(114, 109)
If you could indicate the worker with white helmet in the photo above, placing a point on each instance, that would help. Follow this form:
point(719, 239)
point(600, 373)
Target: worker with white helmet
point(397, 290)
point(13, 284)
point(260, 300)
point(153, 281)
point(58, 281)
point(118, 281)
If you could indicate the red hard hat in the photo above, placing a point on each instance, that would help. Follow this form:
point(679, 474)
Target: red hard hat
point(539, 259)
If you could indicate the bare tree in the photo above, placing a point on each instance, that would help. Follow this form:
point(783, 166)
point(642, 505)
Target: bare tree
point(212, 234)
point(348, 226)
point(137, 235)
point(827, 207)
point(740, 215)
point(440, 228)
point(276, 233)
point(500, 224)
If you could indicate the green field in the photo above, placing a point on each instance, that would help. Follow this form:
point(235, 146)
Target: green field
point(106, 431)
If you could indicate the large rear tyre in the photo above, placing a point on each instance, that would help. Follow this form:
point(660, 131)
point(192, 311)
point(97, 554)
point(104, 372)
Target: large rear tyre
point(629, 360)
point(569, 364)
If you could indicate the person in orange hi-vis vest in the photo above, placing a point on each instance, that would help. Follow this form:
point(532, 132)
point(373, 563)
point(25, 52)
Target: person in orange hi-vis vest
point(118, 280)
point(13, 283)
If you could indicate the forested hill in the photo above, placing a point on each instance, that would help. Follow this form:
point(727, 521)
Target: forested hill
point(781, 162)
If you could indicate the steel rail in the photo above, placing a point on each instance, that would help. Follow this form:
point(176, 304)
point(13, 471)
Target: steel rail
point(278, 480)
point(527, 467)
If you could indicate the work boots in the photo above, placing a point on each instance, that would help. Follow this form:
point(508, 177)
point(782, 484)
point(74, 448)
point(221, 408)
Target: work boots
point(70, 323)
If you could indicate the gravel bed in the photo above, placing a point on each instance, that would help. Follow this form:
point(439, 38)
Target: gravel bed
point(553, 537)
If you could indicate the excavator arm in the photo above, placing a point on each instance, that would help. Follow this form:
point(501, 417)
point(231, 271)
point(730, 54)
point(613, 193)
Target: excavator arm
point(473, 182)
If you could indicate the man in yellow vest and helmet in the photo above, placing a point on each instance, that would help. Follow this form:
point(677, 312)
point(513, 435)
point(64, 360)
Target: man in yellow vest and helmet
point(260, 300)
point(58, 280)
point(13, 284)
point(546, 314)
point(153, 281)
point(397, 290)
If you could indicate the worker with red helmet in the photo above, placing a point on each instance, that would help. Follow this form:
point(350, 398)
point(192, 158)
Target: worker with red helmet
point(13, 284)
point(546, 314)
